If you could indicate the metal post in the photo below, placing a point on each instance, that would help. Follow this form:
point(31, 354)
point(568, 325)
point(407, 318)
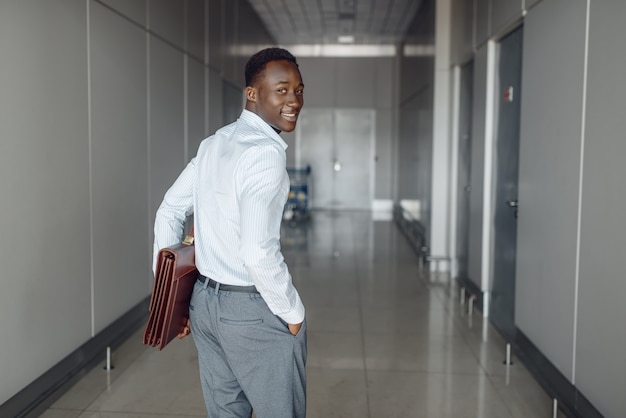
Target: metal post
point(108, 365)
point(462, 297)
point(507, 358)
point(507, 380)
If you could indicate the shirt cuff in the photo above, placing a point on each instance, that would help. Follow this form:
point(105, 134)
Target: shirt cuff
point(295, 316)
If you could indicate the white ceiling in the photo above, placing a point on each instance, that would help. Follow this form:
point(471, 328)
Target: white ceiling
point(322, 22)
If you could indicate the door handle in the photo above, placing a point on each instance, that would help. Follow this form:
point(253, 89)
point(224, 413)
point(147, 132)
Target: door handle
point(512, 203)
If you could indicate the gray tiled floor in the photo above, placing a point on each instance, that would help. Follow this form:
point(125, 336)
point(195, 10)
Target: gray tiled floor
point(383, 342)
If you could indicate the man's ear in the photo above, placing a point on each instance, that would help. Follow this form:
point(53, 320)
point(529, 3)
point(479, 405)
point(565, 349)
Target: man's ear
point(250, 94)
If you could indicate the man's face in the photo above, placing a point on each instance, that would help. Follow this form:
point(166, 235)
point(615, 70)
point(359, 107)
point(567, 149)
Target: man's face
point(278, 95)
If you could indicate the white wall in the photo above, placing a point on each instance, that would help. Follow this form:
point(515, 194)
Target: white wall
point(118, 164)
point(477, 175)
point(571, 239)
point(414, 169)
point(549, 177)
point(442, 119)
point(600, 370)
point(45, 184)
point(102, 104)
point(569, 280)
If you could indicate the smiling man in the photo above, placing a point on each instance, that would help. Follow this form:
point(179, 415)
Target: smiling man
point(246, 317)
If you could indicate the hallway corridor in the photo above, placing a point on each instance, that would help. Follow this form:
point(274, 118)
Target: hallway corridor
point(383, 342)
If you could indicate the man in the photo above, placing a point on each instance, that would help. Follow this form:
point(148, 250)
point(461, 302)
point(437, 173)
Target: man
point(246, 317)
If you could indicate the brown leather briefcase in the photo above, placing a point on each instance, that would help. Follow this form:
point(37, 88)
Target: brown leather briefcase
point(174, 279)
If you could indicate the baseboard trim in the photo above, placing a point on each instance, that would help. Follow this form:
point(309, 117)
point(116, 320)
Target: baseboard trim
point(570, 400)
point(50, 386)
point(472, 290)
point(413, 230)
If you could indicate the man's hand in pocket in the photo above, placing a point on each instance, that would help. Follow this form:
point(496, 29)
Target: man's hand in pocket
point(186, 331)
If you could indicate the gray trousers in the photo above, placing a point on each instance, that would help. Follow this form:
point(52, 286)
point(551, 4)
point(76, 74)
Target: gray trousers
point(248, 359)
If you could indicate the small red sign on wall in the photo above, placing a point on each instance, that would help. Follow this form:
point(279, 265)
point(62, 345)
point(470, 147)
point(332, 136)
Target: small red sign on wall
point(508, 94)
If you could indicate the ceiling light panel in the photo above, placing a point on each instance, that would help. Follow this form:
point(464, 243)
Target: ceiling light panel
point(323, 21)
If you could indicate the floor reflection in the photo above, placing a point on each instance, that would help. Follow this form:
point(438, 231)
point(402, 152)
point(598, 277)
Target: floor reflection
point(384, 341)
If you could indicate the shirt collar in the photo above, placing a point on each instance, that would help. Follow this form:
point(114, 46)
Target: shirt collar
point(255, 120)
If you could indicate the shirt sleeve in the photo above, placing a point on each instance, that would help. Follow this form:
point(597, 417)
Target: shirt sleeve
point(261, 174)
point(177, 205)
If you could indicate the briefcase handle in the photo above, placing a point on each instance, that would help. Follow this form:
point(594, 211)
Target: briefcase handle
point(189, 238)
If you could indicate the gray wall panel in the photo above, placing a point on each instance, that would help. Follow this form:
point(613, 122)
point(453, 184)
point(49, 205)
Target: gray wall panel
point(475, 252)
point(241, 35)
point(348, 82)
point(44, 183)
point(383, 186)
point(423, 179)
point(483, 21)
point(416, 86)
point(215, 46)
point(416, 75)
point(469, 31)
point(196, 113)
point(415, 151)
point(195, 29)
point(530, 3)
point(504, 13)
point(167, 19)
point(600, 363)
point(119, 164)
point(462, 31)
point(550, 149)
point(407, 152)
point(229, 24)
point(384, 99)
point(166, 118)
point(385, 80)
point(132, 9)
point(232, 102)
point(215, 110)
point(251, 36)
point(354, 80)
point(319, 79)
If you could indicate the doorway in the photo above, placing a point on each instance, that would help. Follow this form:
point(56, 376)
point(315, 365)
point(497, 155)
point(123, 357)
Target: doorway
point(464, 170)
point(337, 144)
point(507, 131)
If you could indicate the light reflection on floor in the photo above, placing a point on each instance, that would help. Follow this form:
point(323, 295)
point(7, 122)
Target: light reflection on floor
point(384, 342)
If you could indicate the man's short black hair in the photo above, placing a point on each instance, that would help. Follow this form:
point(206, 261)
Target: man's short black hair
point(256, 63)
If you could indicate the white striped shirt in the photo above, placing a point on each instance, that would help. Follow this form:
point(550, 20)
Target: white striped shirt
point(236, 187)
